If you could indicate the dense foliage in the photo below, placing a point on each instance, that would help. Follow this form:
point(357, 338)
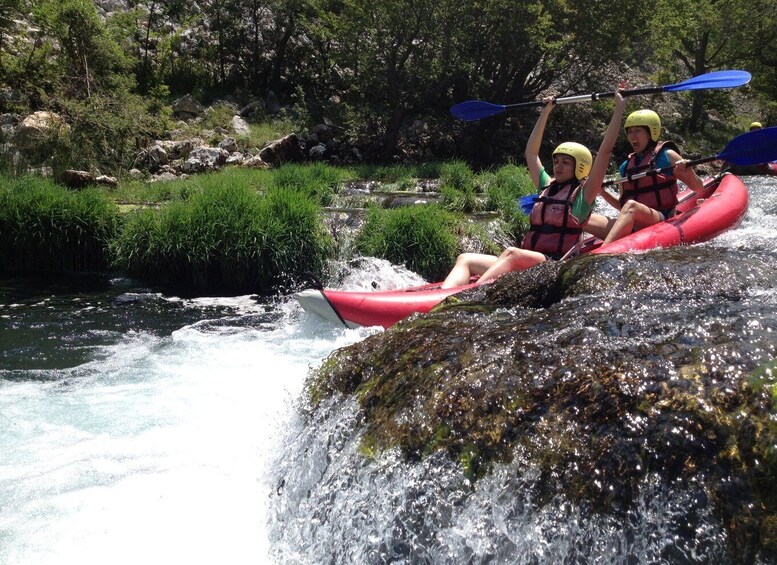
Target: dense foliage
point(373, 67)
point(219, 232)
point(226, 237)
point(422, 238)
point(694, 36)
point(44, 228)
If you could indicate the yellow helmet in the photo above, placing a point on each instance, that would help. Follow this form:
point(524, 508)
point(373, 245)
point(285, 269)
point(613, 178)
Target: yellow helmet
point(581, 154)
point(646, 118)
point(755, 125)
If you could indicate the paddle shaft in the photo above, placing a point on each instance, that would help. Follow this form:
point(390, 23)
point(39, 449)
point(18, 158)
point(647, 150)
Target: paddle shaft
point(584, 97)
point(660, 170)
point(473, 110)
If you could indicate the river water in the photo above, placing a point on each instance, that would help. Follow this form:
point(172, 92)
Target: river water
point(142, 428)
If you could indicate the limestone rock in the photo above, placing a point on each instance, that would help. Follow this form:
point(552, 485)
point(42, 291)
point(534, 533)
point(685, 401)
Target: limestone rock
point(187, 108)
point(39, 127)
point(240, 126)
point(204, 159)
point(255, 161)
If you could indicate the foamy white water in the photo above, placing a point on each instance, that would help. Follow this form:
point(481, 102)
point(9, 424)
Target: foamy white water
point(156, 451)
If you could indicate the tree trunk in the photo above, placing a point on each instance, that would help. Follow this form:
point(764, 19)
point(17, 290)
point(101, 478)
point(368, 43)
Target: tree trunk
point(280, 56)
point(145, 78)
point(696, 123)
point(392, 131)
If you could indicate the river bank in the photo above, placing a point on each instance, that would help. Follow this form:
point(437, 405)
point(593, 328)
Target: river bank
point(262, 231)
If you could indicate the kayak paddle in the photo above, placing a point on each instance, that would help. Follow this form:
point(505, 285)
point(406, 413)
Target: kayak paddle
point(750, 148)
point(473, 110)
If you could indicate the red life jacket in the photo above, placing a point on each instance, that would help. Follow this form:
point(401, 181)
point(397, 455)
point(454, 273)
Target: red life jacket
point(658, 191)
point(554, 230)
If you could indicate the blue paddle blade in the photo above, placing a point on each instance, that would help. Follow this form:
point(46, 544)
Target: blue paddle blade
point(751, 148)
point(527, 203)
point(716, 79)
point(473, 110)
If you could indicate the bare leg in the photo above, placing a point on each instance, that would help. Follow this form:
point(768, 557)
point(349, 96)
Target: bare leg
point(632, 214)
point(599, 225)
point(467, 265)
point(511, 259)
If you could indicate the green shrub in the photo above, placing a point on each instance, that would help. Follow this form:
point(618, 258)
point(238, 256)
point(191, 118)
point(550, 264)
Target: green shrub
point(226, 238)
point(457, 175)
point(465, 201)
point(105, 132)
point(516, 180)
point(420, 237)
point(265, 131)
point(46, 228)
point(218, 115)
point(318, 181)
point(458, 188)
point(504, 191)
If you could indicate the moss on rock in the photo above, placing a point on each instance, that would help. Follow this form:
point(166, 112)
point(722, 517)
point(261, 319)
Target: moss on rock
point(489, 375)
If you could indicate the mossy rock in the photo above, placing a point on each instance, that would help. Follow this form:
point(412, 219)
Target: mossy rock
point(505, 369)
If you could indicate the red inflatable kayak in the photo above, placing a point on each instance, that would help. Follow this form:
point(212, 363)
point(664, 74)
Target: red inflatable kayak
point(701, 216)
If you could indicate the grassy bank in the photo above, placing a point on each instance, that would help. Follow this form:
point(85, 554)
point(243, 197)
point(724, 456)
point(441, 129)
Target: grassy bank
point(45, 228)
point(244, 230)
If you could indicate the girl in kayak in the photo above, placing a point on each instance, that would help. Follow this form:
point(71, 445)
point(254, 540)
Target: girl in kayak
point(562, 210)
point(652, 198)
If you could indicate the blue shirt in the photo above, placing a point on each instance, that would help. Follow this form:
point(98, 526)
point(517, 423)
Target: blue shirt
point(662, 160)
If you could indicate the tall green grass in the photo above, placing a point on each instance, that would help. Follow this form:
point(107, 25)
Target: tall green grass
point(504, 188)
point(226, 238)
point(318, 181)
point(422, 237)
point(458, 188)
point(238, 230)
point(46, 228)
point(398, 173)
point(141, 192)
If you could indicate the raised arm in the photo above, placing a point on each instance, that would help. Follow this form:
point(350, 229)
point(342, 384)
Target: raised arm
point(532, 152)
point(593, 185)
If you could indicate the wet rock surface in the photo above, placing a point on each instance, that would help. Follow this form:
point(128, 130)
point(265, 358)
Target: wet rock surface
point(602, 373)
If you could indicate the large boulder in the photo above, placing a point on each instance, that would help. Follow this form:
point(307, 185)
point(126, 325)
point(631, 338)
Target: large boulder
point(77, 179)
point(179, 149)
point(156, 156)
point(285, 150)
point(81, 179)
point(228, 144)
point(205, 159)
point(187, 108)
point(256, 162)
point(38, 128)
